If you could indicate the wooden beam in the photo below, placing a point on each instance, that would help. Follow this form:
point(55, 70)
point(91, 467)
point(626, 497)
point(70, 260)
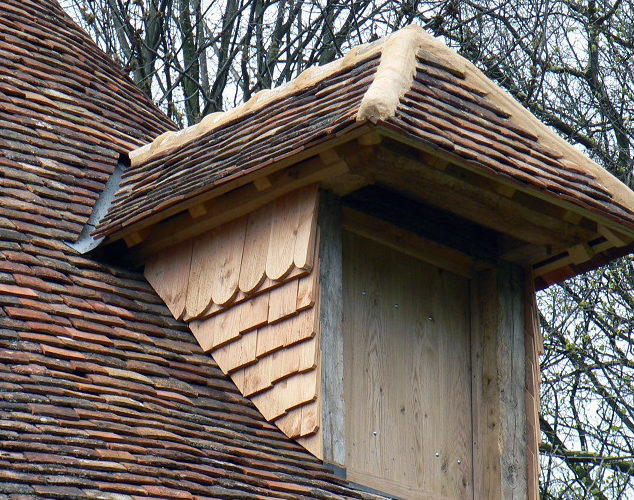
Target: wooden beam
point(331, 325)
point(580, 253)
point(498, 383)
point(238, 203)
point(239, 179)
point(470, 196)
point(262, 183)
point(573, 209)
point(425, 221)
point(370, 139)
point(566, 258)
point(613, 237)
point(389, 235)
point(329, 156)
point(196, 211)
point(133, 239)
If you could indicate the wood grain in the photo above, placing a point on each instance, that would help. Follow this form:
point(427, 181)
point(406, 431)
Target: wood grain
point(282, 301)
point(224, 261)
point(257, 378)
point(198, 291)
point(254, 312)
point(407, 375)
point(256, 245)
point(281, 251)
point(237, 354)
point(305, 238)
point(168, 273)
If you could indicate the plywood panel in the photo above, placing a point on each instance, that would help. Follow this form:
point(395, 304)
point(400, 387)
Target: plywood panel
point(406, 373)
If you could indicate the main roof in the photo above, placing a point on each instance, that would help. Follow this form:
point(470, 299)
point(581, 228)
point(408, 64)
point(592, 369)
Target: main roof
point(409, 85)
point(102, 393)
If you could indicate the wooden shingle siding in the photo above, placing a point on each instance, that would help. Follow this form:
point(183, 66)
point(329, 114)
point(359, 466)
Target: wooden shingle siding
point(249, 292)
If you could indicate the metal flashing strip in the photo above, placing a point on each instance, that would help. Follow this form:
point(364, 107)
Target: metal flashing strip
point(86, 242)
point(340, 472)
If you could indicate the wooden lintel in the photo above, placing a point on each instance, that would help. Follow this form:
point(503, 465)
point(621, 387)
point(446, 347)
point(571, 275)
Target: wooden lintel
point(370, 139)
point(426, 250)
point(197, 210)
point(238, 203)
point(613, 237)
point(262, 183)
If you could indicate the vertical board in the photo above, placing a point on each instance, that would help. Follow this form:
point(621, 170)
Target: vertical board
point(330, 305)
point(407, 380)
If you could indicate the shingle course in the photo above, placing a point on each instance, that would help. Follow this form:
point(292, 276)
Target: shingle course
point(102, 393)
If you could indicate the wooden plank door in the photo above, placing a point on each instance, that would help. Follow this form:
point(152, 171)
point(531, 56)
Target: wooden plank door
point(407, 377)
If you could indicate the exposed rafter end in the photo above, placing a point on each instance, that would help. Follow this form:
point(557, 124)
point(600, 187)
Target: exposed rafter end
point(613, 237)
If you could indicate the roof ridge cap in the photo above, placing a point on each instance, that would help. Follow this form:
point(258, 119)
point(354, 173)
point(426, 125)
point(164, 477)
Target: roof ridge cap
point(395, 74)
point(173, 139)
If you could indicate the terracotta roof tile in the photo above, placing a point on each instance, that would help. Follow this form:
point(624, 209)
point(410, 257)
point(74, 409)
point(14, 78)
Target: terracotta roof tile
point(448, 105)
point(102, 393)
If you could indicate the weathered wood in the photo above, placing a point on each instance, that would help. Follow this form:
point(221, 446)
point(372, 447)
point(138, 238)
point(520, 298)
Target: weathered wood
point(498, 360)
point(331, 325)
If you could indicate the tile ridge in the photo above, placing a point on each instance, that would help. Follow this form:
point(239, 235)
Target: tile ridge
point(170, 141)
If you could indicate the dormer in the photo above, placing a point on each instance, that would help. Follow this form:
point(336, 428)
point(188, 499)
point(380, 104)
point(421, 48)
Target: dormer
point(359, 251)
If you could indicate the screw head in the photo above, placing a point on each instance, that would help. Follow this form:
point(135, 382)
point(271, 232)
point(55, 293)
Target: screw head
point(374, 433)
point(459, 461)
point(437, 454)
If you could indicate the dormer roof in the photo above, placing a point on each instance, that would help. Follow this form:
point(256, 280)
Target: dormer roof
point(408, 86)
